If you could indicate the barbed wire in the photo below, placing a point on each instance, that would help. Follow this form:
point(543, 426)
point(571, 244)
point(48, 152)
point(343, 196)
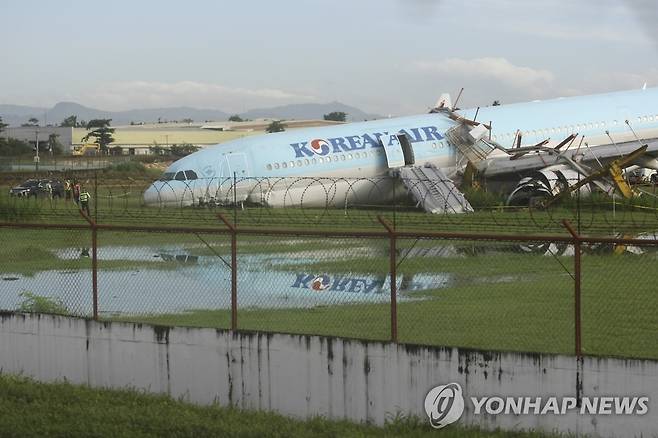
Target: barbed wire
point(325, 202)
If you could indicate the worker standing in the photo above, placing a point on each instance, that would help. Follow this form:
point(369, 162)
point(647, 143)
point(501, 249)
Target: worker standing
point(67, 189)
point(76, 191)
point(84, 200)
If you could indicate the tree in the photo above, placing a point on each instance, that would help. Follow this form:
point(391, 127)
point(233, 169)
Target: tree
point(235, 118)
point(102, 133)
point(276, 126)
point(70, 122)
point(2, 125)
point(187, 120)
point(156, 149)
point(336, 116)
point(32, 121)
point(54, 146)
point(180, 150)
point(14, 147)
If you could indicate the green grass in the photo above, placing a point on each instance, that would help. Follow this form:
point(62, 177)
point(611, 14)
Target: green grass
point(30, 409)
point(118, 200)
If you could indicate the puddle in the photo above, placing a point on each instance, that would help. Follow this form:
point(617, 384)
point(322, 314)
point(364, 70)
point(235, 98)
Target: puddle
point(187, 281)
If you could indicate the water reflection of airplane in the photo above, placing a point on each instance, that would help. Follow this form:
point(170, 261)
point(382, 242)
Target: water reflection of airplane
point(343, 164)
point(474, 249)
point(303, 288)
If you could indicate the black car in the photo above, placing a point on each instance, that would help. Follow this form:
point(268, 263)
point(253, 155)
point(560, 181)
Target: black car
point(38, 188)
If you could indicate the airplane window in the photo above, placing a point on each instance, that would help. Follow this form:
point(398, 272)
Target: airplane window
point(180, 176)
point(276, 165)
point(614, 122)
point(315, 161)
point(284, 165)
point(306, 162)
point(190, 175)
point(342, 157)
point(269, 167)
point(349, 156)
point(651, 118)
point(639, 119)
point(292, 164)
point(299, 163)
point(321, 160)
point(591, 126)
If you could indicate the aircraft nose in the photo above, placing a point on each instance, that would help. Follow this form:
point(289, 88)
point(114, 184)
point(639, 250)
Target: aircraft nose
point(150, 195)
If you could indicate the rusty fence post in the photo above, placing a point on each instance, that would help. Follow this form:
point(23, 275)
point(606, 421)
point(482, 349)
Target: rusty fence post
point(234, 271)
point(94, 263)
point(394, 284)
point(577, 284)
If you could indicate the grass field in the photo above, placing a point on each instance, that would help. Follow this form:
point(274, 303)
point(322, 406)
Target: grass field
point(117, 200)
point(527, 305)
point(30, 409)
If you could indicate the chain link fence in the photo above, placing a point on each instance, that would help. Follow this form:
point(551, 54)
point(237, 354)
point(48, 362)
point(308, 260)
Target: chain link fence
point(560, 294)
point(132, 198)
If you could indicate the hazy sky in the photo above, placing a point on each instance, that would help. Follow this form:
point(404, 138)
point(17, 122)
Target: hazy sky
point(384, 56)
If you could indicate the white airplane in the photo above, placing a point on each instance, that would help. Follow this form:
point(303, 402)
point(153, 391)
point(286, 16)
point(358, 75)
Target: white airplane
point(377, 161)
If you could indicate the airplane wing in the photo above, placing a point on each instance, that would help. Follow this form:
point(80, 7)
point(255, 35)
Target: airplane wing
point(525, 160)
point(545, 174)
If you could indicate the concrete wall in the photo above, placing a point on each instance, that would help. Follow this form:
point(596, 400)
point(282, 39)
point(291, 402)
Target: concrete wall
point(310, 375)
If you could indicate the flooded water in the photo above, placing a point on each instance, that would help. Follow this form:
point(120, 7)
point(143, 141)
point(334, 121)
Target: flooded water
point(186, 282)
point(167, 279)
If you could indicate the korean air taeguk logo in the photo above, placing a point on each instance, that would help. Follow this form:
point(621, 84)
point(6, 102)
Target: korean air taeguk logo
point(320, 147)
point(321, 282)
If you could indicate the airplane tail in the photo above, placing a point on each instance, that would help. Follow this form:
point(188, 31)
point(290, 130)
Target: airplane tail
point(444, 101)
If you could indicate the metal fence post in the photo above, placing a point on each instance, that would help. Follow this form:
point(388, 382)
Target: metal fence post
point(577, 284)
point(234, 271)
point(394, 284)
point(94, 262)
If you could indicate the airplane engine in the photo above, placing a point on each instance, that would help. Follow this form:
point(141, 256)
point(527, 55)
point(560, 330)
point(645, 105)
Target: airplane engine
point(545, 184)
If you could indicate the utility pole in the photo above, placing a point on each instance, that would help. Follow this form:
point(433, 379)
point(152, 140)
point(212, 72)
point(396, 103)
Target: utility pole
point(36, 149)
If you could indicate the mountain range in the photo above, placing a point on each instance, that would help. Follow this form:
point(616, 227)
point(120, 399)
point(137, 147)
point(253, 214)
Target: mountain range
point(15, 115)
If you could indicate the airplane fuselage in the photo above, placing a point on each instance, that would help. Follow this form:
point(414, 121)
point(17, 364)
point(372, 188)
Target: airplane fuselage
point(328, 165)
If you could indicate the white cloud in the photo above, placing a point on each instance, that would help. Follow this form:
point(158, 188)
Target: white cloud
point(494, 71)
point(145, 94)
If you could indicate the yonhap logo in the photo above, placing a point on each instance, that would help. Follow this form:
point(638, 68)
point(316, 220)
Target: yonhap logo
point(444, 405)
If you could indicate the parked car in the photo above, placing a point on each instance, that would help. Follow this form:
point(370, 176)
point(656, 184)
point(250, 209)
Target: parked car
point(38, 188)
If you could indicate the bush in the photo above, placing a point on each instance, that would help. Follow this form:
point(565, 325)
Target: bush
point(479, 198)
point(33, 303)
point(12, 147)
point(128, 166)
